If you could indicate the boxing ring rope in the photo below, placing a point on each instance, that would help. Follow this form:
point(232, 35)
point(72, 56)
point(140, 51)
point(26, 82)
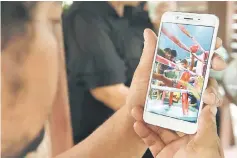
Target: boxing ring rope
point(182, 28)
point(179, 43)
point(188, 88)
point(169, 89)
point(171, 64)
point(204, 52)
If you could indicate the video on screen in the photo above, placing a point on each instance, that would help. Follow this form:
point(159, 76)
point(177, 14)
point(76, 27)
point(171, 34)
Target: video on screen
point(179, 70)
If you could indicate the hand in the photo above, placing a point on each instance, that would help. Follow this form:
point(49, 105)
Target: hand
point(165, 143)
point(138, 92)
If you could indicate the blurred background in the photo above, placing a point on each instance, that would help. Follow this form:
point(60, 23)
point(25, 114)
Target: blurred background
point(227, 13)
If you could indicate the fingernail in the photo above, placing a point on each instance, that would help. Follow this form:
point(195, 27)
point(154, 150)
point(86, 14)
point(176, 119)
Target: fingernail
point(213, 110)
point(205, 95)
point(145, 34)
point(134, 125)
point(132, 112)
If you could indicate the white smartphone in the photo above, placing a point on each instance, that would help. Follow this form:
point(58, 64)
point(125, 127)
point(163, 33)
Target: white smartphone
point(180, 71)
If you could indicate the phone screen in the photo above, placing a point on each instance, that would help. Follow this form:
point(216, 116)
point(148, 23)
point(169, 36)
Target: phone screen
point(179, 71)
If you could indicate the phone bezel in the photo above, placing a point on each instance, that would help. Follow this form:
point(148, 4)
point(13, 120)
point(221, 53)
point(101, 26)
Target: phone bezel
point(198, 19)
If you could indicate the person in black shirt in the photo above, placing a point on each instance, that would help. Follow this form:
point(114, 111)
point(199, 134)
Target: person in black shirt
point(96, 68)
point(138, 20)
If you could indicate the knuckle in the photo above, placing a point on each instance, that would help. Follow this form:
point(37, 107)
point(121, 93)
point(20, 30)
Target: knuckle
point(218, 99)
point(150, 141)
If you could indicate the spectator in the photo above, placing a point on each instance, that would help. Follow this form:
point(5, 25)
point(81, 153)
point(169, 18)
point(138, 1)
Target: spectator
point(132, 43)
point(167, 55)
point(157, 9)
point(173, 55)
point(95, 64)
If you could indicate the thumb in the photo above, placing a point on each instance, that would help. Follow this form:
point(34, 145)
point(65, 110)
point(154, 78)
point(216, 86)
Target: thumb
point(138, 88)
point(144, 68)
point(149, 47)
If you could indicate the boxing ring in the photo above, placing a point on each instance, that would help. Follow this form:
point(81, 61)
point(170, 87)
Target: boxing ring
point(192, 50)
point(174, 110)
point(169, 89)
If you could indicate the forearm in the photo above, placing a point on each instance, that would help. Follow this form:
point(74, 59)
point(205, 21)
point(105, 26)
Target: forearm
point(60, 128)
point(112, 96)
point(114, 139)
point(192, 63)
point(168, 82)
point(116, 100)
point(60, 122)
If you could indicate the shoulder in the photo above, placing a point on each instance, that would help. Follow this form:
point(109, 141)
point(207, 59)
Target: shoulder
point(85, 28)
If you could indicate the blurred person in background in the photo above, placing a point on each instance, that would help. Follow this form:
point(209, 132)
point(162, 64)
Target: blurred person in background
point(95, 62)
point(34, 90)
point(157, 9)
point(145, 15)
point(229, 118)
point(132, 40)
point(226, 115)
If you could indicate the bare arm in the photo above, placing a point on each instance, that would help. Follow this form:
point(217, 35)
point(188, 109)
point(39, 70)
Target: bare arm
point(114, 139)
point(192, 63)
point(165, 80)
point(60, 122)
point(113, 96)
